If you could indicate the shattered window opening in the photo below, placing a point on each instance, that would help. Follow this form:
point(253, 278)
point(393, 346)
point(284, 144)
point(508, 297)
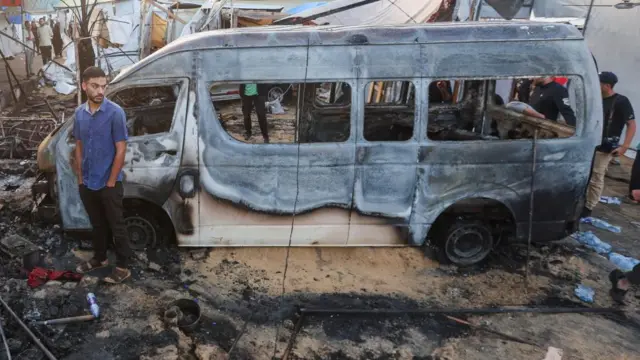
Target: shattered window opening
point(389, 112)
point(504, 108)
point(288, 113)
point(149, 109)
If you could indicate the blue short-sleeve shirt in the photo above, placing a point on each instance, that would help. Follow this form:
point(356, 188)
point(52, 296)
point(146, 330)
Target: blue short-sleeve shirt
point(99, 133)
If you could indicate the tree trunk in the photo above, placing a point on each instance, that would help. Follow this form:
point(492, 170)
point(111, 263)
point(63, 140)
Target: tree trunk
point(87, 58)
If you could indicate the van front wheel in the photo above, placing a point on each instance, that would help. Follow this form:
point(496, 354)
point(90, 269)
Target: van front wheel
point(466, 242)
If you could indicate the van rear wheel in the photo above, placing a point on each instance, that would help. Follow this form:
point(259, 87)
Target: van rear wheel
point(466, 242)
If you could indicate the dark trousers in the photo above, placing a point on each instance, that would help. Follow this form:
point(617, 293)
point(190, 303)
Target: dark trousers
point(46, 54)
point(634, 275)
point(104, 208)
point(57, 48)
point(248, 103)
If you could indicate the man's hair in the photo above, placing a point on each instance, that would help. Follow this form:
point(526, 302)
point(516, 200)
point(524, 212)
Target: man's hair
point(92, 72)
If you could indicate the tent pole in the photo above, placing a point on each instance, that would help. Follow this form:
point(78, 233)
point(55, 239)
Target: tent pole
point(78, 80)
point(26, 58)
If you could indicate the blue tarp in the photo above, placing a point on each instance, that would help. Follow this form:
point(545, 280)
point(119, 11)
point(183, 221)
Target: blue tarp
point(305, 7)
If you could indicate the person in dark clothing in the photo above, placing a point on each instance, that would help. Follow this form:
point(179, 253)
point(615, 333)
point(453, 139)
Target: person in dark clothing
point(440, 92)
point(36, 40)
point(550, 98)
point(57, 40)
point(621, 282)
point(254, 95)
point(617, 112)
point(524, 90)
point(100, 130)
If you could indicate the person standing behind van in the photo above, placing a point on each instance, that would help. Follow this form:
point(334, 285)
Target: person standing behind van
point(45, 35)
point(617, 112)
point(550, 98)
point(28, 51)
point(100, 130)
point(253, 95)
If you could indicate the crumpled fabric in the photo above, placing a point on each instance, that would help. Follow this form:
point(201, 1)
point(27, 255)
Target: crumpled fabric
point(39, 276)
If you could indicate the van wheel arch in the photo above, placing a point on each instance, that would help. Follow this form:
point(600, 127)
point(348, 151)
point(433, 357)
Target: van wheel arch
point(148, 225)
point(466, 232)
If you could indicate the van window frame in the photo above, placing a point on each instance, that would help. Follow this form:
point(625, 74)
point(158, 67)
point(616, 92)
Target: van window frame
point(352, 117)
point(362, 108)
point(182, 82)
point(580, 111)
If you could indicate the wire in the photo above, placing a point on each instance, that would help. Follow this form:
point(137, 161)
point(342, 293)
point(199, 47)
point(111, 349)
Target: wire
point(4, 340)
point(404, 12)
point(295, 203)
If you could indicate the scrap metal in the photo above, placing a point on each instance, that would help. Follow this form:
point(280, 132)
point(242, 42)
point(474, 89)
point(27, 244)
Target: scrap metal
point(20, 136)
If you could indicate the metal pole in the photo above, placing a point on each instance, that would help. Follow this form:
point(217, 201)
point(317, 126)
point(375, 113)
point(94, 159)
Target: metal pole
point(46, 351)
point(4, 340)
point(586, 20)
point(78, 76)
point(533, 174)
point(27, 61)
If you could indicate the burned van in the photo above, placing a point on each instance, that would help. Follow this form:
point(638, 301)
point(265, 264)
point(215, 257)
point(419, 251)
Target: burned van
point(382, 136)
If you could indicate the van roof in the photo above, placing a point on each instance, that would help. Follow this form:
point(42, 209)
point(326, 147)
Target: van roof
point(332, 35)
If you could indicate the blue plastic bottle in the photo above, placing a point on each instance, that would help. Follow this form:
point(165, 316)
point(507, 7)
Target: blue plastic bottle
point(93, 304)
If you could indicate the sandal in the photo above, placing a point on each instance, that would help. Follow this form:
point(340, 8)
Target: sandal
point(91, 265)
point(118, 276)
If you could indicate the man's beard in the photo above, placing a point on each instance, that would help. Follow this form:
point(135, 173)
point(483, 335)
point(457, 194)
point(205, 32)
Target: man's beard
point(96, 99)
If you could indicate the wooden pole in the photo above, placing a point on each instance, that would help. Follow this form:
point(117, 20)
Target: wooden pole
point(166, 11)
point(78, 75)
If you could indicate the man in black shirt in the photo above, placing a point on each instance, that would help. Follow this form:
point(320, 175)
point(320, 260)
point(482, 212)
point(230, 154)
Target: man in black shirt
point(550, 98)
point(617, 112)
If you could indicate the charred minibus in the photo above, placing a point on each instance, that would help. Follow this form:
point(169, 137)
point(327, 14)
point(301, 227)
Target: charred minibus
point(381, 136)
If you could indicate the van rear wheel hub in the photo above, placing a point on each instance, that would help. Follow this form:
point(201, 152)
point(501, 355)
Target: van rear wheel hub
point(141, 233)
point(468, 243)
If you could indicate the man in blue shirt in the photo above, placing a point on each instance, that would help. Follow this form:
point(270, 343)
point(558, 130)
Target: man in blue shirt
point(100, 130)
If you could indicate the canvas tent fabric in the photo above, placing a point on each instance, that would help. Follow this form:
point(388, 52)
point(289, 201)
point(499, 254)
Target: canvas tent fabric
point(158, 31)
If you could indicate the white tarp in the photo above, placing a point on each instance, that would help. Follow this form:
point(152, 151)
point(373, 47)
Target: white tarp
point(10, 47)
point(120, 29)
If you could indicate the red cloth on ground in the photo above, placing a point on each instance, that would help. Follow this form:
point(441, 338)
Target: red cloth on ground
point(39, 276)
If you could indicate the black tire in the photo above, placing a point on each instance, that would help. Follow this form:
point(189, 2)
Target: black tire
point(465, 242)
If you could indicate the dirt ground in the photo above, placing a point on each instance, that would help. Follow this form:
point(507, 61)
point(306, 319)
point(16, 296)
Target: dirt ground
point(249, 308)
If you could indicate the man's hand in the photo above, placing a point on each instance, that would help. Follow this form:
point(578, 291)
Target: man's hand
point(111, 184)
point(619, 150)
point(80, 182)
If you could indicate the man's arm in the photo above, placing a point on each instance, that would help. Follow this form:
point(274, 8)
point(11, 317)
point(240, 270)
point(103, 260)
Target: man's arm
point(120, 136)
point(625, 110)
point(564, 105)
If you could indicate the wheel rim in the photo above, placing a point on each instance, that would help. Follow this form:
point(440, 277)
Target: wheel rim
point(469, 244)
point(141, 233)
point(275, 93)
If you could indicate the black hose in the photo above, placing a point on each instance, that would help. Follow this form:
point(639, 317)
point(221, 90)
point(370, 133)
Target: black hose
point(478, 311)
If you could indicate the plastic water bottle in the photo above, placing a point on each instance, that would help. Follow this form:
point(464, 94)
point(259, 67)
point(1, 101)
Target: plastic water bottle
point(601, 224)
point(610, 200)
point(93, 304)
point(584, 293)
point(591, 241)
point(623, 263)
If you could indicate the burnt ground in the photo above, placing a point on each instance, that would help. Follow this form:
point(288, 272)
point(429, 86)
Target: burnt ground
point(246, 315)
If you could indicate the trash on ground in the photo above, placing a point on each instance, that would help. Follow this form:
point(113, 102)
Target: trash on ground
point(39, 276)
point(601, 224)
point(553, 354)
point(610, 200)
point(591, 241)
point(623, 263)
point(584, 293)
point(93, 305)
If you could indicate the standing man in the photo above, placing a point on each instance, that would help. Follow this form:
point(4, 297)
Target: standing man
point(617, 112)
point(45, 35)
point(100, 130)
point(550, 98)
point(34, 31)
point(28, 51)
point(57, 40)
point(253, 95)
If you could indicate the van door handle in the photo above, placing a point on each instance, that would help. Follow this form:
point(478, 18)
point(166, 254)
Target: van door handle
point(169, 152)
